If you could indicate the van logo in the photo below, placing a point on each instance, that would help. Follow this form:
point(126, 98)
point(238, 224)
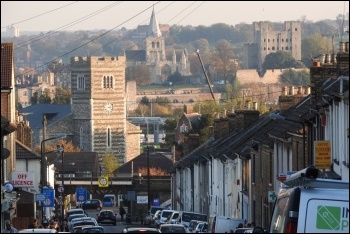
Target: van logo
point(329, 218)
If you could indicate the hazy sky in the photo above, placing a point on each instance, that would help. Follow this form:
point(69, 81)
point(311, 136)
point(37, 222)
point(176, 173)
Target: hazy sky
point(69, 15)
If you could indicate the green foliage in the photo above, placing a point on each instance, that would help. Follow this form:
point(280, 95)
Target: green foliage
point(175, 78)
point(145, 101)
point(280, 60)
point(313, 46)
point(62, 96)
point(296, 78)
point(162, 101)
point(45, 97)
point(110, 163)
point(169, 128)
point(138, 73)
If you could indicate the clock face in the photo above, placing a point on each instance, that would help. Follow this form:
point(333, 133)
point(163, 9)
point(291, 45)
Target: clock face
point(108, 107)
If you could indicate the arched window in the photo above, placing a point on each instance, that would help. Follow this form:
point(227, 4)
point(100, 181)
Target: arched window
point(286, 47)
point(158, 44)
point(273, 48)
point(153, 44)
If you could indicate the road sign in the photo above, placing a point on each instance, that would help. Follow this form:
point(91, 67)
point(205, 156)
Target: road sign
point(60, 189)
point(272, 196)
point(40, 197)
point(81, 194)
point(49, 195)
point(103, 181)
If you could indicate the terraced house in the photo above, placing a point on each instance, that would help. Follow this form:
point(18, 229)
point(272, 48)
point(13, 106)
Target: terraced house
point(237, 172)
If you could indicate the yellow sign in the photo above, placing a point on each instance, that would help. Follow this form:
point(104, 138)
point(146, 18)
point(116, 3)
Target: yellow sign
point(103, 181)
point(323, 154)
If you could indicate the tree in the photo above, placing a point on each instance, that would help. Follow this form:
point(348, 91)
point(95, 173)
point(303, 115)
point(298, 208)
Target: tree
point(153, 171)
point(45, 97)
point(169, 128)
point(280, 60)
point(62, 96)
point(138, 73)
point(312, 47)
point(50, 147)
point(110, 163)
point(222, 59)
point(34, 99)
point(202, 45)
point(296, 78)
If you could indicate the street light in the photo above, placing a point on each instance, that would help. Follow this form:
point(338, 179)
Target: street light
point(43, 166)
point(148, 181)
point(61, 150)
point(280, 117)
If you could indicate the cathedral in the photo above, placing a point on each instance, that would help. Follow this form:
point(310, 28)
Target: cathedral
point(161, 61)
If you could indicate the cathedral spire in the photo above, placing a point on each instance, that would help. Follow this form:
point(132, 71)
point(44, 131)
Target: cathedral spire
point(153, 28)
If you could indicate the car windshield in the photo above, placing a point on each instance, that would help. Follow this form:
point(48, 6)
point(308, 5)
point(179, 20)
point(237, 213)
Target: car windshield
point(188, 216)
point(107, 199)
point(74, 216)
point(172, 229)
point(84, 223)
point(193, 224)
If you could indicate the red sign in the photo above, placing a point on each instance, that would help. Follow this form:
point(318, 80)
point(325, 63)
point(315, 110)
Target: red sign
point(282, 177)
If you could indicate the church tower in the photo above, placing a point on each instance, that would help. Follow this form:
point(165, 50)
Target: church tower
point(154, 43)
point(98, 105)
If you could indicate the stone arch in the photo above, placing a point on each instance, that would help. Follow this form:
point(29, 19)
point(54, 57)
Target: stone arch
point(165, 72)
point(175, 101)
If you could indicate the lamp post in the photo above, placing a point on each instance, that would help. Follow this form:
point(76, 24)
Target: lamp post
point(280, 117)
point(43, 166)
point(148, 181)
point(61, 150)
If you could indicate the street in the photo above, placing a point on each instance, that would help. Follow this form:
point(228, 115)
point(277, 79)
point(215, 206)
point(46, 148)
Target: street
point(110, 228)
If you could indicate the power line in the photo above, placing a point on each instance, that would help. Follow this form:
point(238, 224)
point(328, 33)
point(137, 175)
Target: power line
point(41, 14)
point(40, 37)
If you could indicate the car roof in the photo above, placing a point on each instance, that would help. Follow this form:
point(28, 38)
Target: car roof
point(37, 230)
point(82, 219)
point(140, 229)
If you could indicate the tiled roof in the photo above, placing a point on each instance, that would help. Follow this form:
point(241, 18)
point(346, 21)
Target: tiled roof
point(54, 112)
point(24, 152)
point(156, 160)
point(6, 64)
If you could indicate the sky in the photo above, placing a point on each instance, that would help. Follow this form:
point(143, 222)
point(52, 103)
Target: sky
point(89, 15)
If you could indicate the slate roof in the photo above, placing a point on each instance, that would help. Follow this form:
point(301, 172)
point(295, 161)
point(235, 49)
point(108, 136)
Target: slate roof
point(24, 152)
point(53, 112)
point(6, 65)
point(156, 160)
point(295, 116)
point(75, 162)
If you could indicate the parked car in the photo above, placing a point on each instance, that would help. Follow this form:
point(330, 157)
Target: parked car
point(164, 216)
point(107, 216)
point(154, 219)
point(75, 211)
point(151, 212)
point(92, 229)
point(222, 224)
point(140, 230)
point(74, 216)
point(244, 230)
point(37, 230)
point(202, 227)
point(92, 204)
point(85, 221)
point(173, 217)
point(185, 217)
point(172, 228)
point(192, 225)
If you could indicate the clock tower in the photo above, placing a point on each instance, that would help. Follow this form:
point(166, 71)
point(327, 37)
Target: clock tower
point(98, 105)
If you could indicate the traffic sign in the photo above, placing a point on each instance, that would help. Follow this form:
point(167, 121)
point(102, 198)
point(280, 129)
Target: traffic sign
point(60, 188)
point(81, 194)
point(103, 181)
point(49, 197)
point(40, 197)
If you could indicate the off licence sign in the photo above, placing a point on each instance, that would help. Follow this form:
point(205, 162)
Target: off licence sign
point(323, 154)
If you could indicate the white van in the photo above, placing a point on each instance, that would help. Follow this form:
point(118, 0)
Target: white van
point(310, 204)
point(222, 224)
point(185, 217)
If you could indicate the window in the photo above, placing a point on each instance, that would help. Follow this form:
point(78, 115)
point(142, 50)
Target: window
point(158, 44)
point(25, 93)
point(81, 137)
point(287, 40)
point(273, 48)
point(183, 128)
point(282, 40)
point(108, 82)
point(271, 171)
point(286, 47)
point(296, 29)
point(80, 82)
point(109, 138)
point(153, 44)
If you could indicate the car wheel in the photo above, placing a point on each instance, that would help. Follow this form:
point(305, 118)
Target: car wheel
point(98, 208)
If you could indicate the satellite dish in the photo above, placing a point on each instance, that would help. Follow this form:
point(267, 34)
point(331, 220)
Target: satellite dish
point(5, 153)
